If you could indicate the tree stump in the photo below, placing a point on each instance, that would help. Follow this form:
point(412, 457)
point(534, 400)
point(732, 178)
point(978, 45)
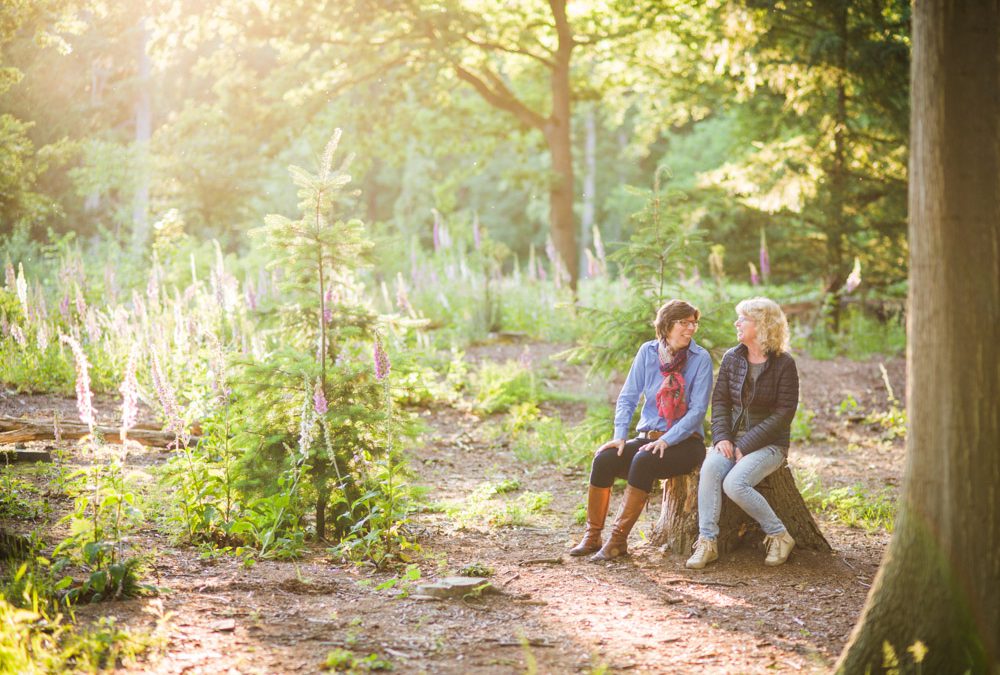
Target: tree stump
point(677, 528)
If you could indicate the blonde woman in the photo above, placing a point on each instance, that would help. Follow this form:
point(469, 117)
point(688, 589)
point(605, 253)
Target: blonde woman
point(754, 401)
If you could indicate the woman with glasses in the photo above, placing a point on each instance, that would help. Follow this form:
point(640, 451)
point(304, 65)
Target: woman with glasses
point(756, 394)
point(674, 377)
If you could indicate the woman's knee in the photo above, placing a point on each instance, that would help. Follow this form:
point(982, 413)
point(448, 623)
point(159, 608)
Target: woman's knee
point(735, 485)
point(715, 467)
point(604, 468)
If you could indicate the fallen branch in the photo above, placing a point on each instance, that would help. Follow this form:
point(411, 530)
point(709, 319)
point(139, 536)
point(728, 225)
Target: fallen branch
point(542, 561)
point(682, 580)
point(14, 430)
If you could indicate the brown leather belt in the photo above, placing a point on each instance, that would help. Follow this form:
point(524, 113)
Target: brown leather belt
point(652, 435)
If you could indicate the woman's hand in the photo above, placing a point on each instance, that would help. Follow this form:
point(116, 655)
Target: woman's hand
point(738, 455)
point(657, 446)
point(617, 443)
point(726, 448)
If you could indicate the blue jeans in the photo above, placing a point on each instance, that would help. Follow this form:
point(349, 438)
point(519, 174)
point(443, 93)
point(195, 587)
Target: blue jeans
point(738, 479)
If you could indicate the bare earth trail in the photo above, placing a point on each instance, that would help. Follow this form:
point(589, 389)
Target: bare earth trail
point(642, 614)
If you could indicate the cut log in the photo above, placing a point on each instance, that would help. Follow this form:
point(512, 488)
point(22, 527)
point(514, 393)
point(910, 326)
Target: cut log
point(677, 528)
point(19, 454)
point(14, 430)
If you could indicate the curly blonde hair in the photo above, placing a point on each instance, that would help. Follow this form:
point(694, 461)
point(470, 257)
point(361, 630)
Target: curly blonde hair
point(772, 326)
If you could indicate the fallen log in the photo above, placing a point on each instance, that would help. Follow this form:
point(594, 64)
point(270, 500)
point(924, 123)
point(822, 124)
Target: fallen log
point(15, 430)
point(677, 528)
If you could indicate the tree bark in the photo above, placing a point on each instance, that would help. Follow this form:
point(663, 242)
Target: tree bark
point(559, 138)
point(143, 133)
point(939, 583)
point(16, 430)
point(677, 528)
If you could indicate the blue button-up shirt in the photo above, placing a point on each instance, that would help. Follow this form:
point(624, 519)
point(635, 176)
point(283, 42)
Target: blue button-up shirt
point(644, 379)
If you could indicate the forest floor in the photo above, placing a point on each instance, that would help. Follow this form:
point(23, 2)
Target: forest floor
point(552, 613)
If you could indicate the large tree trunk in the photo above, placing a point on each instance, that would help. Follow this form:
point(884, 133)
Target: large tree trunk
point(939, 583)
point(559, 138)
point(677, 528)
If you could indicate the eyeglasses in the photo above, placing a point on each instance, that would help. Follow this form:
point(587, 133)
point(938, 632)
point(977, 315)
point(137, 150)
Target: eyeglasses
point(743, 319)
point(685, 324)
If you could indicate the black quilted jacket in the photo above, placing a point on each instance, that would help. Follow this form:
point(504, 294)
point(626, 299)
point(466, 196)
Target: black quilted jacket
point(771, 404)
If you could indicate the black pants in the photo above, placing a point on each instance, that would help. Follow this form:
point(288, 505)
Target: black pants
point(642, 468)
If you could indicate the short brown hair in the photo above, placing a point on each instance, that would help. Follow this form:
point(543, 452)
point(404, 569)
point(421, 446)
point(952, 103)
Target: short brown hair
point(670, 313)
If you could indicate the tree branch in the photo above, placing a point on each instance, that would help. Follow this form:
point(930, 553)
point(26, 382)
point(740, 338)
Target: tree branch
point(501, 97)
point(483, 44)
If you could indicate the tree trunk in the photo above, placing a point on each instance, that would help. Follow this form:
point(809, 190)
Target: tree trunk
point(589, 177)
point(143, 133)
point(939, 583)
point(559, 138)
point(677, 528)
point(837, 233)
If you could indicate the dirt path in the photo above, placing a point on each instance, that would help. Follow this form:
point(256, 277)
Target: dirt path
point(645, 614)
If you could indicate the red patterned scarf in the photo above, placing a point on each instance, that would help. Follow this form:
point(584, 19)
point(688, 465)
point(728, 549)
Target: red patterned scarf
point(670, 399)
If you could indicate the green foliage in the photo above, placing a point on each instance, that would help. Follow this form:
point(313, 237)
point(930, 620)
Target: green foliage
point(854, 505)
point(802, 425)
point(547, 440)
point(859, 337)
point(105, 513)
point(500, 386)
point(35, 642)
point(19, 499)
point(488, 507)
point(654, 262)
point(344, 660)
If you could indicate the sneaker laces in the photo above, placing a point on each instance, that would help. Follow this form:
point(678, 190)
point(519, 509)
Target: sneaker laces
point(701, 547)
point(772, 544)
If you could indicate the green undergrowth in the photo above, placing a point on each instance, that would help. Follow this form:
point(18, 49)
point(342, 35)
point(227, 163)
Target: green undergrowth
point(853, 505)
point(493, 504)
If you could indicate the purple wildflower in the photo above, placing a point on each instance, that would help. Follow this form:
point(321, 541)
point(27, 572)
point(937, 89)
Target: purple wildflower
point(854, 278)
point(542, 276)
point(165, 394)
point(11, 277)
point(81, 304)
point(765, 259)
point(18, 334)
point(599, 245)
point(22, 286)
point(754, 279)
point(329, 298)
point(111, 285)
point(251, 296)
point(130, 394)
point(42, 336)
point(84, 398)
point(477, 240)
point(153, 286)
point(64, 307)
point(138, 306)
point(319, 400)
point(532, 274)
point(381, 358)
point(437, 230)
point(93, 330)
point(593, 267)
point(217, 364)
point(402, 297)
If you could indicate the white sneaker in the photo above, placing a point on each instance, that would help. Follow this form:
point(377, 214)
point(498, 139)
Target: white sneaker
point(778, 547)
point(705, 551)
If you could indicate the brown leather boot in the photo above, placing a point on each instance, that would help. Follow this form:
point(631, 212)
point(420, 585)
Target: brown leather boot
point(617, 545)
point(597, 512)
